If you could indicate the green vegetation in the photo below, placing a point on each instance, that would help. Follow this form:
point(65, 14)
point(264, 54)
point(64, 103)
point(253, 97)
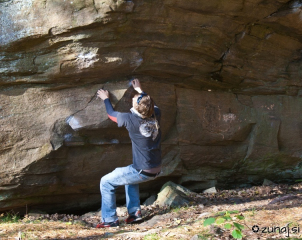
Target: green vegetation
point(9, 217)
point(152, 236)
point(178, 209)
point(230, 212)
point(230, 223)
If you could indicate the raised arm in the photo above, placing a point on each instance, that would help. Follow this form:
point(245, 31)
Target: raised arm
point(137, 85)
point(104, 95)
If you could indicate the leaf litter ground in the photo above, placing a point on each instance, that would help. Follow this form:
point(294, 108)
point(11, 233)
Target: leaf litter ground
point(266, 207)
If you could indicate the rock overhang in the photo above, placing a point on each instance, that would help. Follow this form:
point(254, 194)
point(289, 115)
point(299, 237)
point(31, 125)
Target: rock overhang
point(225, 74)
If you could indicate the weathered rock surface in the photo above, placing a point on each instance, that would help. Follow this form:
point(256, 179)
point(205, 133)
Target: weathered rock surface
point(210, 190)
point(173, 195)
point(226, 74)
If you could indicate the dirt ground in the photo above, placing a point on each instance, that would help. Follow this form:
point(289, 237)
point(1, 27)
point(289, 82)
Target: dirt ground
point(270, 212)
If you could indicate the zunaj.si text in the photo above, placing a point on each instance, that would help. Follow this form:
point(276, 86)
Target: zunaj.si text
point(287, 230)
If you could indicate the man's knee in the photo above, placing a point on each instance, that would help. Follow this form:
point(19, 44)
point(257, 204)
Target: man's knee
point(107, 182)
point(103, 181)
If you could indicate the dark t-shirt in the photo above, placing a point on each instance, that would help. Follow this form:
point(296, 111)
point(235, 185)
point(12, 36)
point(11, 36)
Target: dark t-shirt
point(146, 152)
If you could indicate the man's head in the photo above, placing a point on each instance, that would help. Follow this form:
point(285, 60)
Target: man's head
point(144, 104)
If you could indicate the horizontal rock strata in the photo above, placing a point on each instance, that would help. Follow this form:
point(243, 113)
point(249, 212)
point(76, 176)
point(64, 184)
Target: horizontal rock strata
point(226, 75)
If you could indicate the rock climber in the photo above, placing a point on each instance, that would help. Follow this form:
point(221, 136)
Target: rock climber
point(143, 125)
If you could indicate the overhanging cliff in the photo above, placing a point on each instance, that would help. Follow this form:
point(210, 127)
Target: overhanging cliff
point(226, 74)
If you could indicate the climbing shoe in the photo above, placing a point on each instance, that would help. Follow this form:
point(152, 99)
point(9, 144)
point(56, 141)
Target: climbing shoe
point(133, 218)
point(108, 224)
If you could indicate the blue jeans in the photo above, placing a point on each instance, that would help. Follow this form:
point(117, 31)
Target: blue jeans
point(127, 176)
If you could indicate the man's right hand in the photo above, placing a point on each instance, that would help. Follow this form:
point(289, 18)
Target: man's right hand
point(137, 85)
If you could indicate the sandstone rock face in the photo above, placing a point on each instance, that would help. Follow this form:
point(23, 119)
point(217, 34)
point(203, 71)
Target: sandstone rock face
point(226, 75)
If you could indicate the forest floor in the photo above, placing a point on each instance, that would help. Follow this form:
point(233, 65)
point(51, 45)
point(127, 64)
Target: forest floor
point(266, 212)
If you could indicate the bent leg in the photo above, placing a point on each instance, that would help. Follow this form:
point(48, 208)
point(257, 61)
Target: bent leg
point(127, 176)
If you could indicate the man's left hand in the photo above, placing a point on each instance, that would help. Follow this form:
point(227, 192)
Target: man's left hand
point(103, 94)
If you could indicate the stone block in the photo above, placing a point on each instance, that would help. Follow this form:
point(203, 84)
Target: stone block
point(210, 190)
point(173, 195)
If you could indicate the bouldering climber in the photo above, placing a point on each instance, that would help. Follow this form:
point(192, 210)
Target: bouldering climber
point(143, 125)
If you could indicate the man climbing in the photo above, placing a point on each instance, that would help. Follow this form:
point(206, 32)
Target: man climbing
point(142, 124)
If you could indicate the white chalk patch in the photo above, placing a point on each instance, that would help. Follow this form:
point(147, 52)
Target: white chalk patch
point(87, 55)
point(74, 123)
point(229, 117)
point(113, 59)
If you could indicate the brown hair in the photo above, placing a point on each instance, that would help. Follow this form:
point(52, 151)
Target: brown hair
point(145, 106)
